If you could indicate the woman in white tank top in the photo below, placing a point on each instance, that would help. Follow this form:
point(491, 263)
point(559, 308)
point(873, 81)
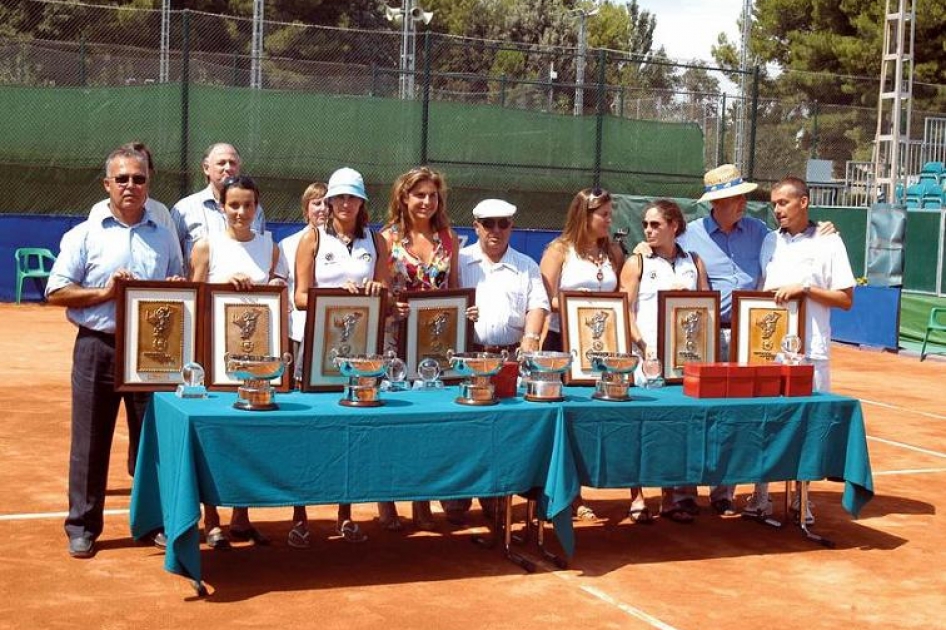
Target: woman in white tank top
point(243, 258)
point(667, 267)
point(342, 253)
point(583, 258)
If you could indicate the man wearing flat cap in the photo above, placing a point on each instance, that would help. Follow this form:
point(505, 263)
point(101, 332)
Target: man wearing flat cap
point(505, 279)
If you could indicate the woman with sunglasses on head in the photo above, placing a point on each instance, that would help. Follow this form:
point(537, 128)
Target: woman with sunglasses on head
point(666, 268)
point(583, 258)
point(343, 252)
point(423, 257)
point(243, 258)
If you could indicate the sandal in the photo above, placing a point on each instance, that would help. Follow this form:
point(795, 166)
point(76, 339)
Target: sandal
point(388, 517)
point(641, 515)
point(350, 532)
point(678, 515)
point(246, 535)
point(216, 539)
point(585, 513)
point(299, 536)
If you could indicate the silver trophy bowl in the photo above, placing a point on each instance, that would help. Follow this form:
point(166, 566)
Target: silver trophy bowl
point(477, 368)
point(363, 372)
point(256, 372)
point(542, 372)
point(614, 369)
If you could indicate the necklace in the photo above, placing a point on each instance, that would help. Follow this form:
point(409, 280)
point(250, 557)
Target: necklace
point(599, 260)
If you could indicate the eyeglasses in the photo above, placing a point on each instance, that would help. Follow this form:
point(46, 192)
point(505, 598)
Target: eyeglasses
point(489, 224)
point(138, 180)
point(597, 198)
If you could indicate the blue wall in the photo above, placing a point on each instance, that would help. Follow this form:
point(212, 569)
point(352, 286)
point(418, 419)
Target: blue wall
point(46, 231)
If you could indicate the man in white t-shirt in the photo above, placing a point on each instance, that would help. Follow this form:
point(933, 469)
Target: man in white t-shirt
point(797, 262)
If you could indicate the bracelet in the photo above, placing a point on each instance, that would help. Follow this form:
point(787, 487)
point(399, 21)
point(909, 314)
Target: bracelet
point(534, 336)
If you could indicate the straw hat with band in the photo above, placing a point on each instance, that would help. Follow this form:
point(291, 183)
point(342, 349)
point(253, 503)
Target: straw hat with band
point(725, 181)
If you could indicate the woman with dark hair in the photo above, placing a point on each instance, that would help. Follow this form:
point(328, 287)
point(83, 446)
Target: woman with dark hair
point(666, 267)
point(583, 258)
point(243, 258)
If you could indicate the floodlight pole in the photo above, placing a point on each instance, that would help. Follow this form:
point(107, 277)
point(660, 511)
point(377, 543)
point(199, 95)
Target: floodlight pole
point(408, 35)
point(164, 64)
point(256, 54)
point(582, 15)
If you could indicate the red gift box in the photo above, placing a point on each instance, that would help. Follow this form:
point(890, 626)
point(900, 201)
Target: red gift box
point(798, 380)
point(704, 380)
point(740, 380)
point(768, 380)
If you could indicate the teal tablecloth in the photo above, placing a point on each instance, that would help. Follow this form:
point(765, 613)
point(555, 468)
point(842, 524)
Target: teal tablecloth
point(313, 451)
point(663, 438)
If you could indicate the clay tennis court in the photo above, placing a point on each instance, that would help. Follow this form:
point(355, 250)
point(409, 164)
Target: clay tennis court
point(886, 571)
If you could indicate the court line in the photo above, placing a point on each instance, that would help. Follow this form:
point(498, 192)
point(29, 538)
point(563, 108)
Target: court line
point(935, 416)
point(925, 451)
point(909, 471)
point(39, 515)
point(632, 611)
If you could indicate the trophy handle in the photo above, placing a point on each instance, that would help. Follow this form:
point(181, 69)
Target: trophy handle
point(287, 358)
point(504, 354)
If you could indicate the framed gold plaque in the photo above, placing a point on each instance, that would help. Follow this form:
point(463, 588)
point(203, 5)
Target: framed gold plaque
point(253, 322)
point(350, 324)
point(592, 322)
point(759, 324)
point(437, 323)
point(157, 333)
point(687, 330)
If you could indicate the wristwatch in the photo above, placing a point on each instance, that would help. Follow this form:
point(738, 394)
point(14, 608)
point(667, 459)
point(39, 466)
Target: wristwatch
point(806, 287)
point(533, 336)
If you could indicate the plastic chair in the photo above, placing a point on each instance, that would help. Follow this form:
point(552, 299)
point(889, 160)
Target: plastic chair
point(31, 263)
point(934, 325)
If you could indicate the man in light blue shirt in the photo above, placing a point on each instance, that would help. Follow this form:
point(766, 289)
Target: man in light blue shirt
point(201, 214)
point(94, 256)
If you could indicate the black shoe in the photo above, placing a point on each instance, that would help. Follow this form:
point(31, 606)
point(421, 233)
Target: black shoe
point(689, 506)
point(160, 540)
point(724, 507)
point(82, 546)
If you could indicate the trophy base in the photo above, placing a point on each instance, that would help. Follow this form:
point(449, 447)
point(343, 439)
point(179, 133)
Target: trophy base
point(344, 402)
point(610, 398)
point(534, 398)
point(246, 405)
point(191, 391)
point(394, 386)
point(614, 390)
point(460, 400)
point(428, 386)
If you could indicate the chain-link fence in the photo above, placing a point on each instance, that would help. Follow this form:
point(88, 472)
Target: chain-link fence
point(527, 122)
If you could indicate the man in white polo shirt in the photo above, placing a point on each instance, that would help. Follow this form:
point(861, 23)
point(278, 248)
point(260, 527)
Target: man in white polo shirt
point(505, 279)
point(797, 262)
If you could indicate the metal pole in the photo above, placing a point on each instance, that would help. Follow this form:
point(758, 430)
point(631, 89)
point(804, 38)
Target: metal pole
point(754, 122)
point(82, 71)
point(185, 98)
point(599, 126)
point(580, 66)
point(502, 90)
point(164, 66)
point(425, 106)
point(721, 130)
point(256, 54)
point(405, 81)
point(814, 132)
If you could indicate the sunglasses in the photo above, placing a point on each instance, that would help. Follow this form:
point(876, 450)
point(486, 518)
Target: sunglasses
point(489, 224)
point(139, 180)
point(597, 198)
point(656, 225)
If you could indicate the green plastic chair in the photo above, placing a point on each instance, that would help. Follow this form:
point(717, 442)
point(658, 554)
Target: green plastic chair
point(934, 325)
point(31, 263)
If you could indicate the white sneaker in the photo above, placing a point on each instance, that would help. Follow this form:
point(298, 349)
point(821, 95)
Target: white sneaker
point(809, 517)
point(758, 505)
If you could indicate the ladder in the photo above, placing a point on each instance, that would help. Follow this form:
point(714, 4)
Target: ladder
point(894, 101)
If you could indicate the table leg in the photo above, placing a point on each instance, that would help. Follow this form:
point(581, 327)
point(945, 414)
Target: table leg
point(802, 511)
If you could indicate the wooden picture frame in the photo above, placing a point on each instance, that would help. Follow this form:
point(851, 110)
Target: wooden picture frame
point(687, 330)
point(758, 325)
point(158, 332)
point(253, 321)
point(353, 323)
point(437, 322)
point(592, 321)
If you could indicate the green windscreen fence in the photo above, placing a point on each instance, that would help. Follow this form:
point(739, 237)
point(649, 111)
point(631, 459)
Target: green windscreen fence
point(56, 139)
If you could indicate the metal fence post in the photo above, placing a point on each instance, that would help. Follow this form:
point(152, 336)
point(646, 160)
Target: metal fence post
point(599, 118)
point(425, 106)
point(755, 121)
point(185, 104)
point(82, 75)
point(721, 130)
point(502, 90)
point(814, 132)
point(236, 70)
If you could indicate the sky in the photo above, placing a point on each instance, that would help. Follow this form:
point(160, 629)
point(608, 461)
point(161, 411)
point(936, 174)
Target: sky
point(687, 29)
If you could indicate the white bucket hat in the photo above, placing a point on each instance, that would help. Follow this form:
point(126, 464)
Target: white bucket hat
point(346, 181)
point(493, 208)
point(725, 181)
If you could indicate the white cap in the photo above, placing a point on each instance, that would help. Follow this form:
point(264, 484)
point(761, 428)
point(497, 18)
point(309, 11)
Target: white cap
point(346, 181)
point(493, 208)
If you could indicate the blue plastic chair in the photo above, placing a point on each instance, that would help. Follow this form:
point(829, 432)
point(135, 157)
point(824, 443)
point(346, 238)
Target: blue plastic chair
point(934, 325)
point(31, 263)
